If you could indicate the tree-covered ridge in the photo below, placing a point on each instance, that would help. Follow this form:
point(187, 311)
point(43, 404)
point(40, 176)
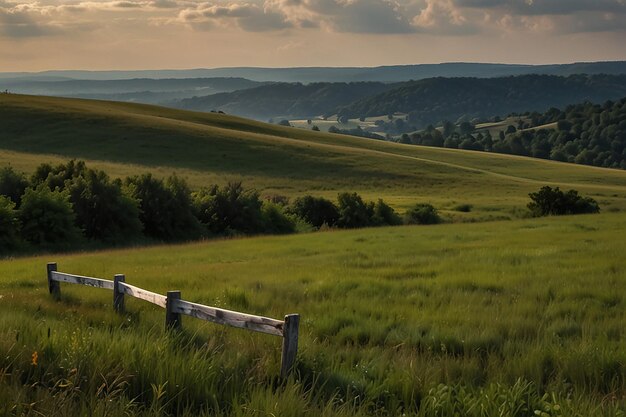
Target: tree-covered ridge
point(585, 133)
point(432, 100)
point(285, 99)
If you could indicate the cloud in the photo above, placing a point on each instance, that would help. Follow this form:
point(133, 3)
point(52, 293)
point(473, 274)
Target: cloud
point(247, 16)
point(443, 18)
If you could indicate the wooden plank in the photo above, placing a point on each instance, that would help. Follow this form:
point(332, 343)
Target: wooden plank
point(172, 318)
point(230, 318)
point(118, 293)
point(53, 286)
point(142, 294)
point(78, 279)
point(290, 344)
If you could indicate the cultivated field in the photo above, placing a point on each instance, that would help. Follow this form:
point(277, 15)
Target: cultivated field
point(499, 318)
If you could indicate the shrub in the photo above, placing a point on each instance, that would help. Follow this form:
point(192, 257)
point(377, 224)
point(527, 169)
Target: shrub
point(228, 210)
point(548, 201)
point(275, 220)
point(464, 208)
point(47, 218)
point(384, 215)
point(12, 184)
point(316, 211)
point(9, 225)
point(353, 211)
point(422, 214)
point(102, 210)
point(165, 207)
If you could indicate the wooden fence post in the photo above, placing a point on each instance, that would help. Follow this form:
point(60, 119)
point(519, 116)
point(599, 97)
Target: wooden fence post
point(118, 296)
point(172, 320)
point(290, 343)
point(53, 286)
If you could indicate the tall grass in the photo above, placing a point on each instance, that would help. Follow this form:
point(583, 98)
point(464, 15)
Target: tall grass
point(514, 319)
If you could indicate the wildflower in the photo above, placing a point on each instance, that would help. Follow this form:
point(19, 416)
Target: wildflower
point(34, 358)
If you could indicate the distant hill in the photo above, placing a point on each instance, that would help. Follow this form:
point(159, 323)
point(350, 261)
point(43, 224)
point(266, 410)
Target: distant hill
point(394, 73)
point(285, 99)
point(145, 90)
point(433, 100)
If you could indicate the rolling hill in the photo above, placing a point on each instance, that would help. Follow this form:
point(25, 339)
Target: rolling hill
point(286, 100)
point(207, 148)
point(426, 101)
point(433, 100)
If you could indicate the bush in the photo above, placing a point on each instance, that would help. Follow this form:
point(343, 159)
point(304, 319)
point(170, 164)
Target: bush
point(385, 215)
point(12, 184)
point(422, 214)
point(548, 201)
point(165, 207)
point(353, 211)
point(316, 211)
point(47, 218)
point(9, 225)
point(228, 210)
point(275, 221)
point(464, 208)
point(102, 210)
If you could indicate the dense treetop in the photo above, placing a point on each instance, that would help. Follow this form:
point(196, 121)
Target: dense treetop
point(586, 133)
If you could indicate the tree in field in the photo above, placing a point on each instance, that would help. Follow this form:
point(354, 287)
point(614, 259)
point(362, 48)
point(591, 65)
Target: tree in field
point(384, 215)
point(103, 211)
point(229, 210)
point(165, 207)
point(422, 214)
point(316, 211)
point(47, 218)
point(12, 184)
point(548, 201)
point(353, 211)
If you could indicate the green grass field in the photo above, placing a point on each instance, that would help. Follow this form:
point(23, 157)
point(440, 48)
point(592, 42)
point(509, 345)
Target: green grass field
point(499, 318)
point(498, 312)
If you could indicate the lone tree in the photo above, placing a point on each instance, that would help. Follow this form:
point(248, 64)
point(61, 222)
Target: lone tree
point(554, 202)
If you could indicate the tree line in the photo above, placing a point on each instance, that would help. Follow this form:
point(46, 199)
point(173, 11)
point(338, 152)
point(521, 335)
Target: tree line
point(71, 205)
point(586, 133)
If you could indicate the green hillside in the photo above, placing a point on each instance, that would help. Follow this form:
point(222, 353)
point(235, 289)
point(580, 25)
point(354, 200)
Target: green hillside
point(211, 148)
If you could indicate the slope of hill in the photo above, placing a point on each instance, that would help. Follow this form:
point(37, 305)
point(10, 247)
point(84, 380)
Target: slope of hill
point(393, 73)
point(145, 90)
point(284, 99)
point(207, 148)
point(433, 100)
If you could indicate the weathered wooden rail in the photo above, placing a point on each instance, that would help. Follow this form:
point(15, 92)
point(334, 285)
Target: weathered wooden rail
point(175, 307)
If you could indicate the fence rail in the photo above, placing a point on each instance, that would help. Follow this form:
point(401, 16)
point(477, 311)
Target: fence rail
point(175, 307)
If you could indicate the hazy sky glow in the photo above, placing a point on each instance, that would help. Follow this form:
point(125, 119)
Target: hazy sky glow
point(130, 34)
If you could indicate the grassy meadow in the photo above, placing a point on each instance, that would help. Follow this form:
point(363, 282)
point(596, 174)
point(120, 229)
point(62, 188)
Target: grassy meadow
point(475, 317)
point(496, 318)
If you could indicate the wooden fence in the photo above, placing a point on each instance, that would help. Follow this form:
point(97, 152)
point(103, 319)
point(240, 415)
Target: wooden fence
point(175, 307)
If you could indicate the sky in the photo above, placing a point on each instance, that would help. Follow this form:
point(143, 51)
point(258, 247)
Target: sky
point(37, 35)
